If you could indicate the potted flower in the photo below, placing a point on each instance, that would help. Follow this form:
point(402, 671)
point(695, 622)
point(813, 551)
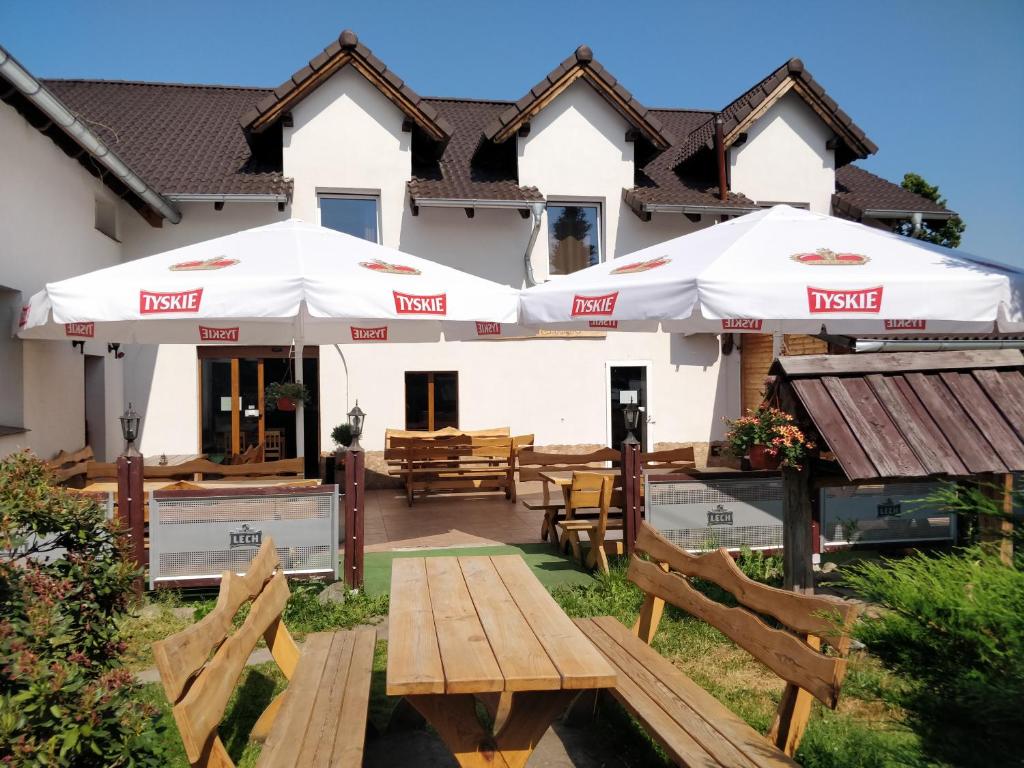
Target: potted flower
point(286, 395)
point(342, 436)
point(768, 437)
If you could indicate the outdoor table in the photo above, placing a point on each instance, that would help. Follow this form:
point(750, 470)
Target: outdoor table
point(463, 628)
point(173, 459)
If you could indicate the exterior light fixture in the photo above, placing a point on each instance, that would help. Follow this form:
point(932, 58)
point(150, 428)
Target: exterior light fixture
point(356, 418)
point(631, 417)
point(130, 430)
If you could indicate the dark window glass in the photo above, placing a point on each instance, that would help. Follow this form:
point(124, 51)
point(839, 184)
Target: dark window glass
point(355, 216)
point(431, 400)
point(573, 238)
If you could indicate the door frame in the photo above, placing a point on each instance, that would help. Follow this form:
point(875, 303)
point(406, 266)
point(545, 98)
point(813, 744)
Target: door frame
point(648, 366)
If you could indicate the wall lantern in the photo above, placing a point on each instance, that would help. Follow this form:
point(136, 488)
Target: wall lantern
point(356, 419)
point(130, 430)
point(631, 417)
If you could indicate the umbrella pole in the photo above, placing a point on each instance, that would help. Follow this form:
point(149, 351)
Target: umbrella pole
point(300, 415)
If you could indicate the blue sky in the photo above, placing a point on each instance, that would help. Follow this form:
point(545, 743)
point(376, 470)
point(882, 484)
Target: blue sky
point(938, 85)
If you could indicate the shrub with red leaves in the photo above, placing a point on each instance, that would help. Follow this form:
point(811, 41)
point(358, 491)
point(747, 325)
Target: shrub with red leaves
point(65, 581)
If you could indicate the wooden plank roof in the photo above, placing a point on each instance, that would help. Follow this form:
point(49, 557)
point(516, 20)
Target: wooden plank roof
point(914, 414)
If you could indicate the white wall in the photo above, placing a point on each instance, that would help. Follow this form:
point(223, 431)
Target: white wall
point(47, 233)
point(784, 158)
point(347, 136)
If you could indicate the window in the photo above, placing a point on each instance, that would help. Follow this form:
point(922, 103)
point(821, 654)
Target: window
point(106, 218)
point(431, 400)
point(352, 214)
point(574, 237)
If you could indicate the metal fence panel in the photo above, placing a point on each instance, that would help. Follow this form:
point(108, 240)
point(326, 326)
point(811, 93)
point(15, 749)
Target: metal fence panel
point(882, 514)
point(199, 536)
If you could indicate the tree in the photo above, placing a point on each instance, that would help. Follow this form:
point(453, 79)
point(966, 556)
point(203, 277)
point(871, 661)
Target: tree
point(950, 231)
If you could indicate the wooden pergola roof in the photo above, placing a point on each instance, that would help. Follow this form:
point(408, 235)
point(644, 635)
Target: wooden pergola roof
point(914, 414)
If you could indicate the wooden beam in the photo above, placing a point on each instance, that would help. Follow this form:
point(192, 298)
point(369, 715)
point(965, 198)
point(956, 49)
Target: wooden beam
point(798, 571)
point(236, 416)
point(887, 362)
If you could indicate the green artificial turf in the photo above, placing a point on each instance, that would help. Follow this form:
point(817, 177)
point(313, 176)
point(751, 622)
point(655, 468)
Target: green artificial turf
point(550, 568)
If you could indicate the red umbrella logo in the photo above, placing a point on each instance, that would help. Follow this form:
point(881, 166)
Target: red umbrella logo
point(828, 258)
point(217, 262)
point(641, 266)
point(392, 269)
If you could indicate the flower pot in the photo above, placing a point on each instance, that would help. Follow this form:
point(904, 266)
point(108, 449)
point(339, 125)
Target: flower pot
point(285, 404)
point(760, 458)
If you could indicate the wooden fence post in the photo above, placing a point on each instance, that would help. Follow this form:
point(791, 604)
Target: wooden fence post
point(131, 501)
point(797, 533)
point(631, 480)
point(355, 488)
point(997, 532)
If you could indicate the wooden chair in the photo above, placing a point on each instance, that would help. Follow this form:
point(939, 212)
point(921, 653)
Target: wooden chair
point(273, 445)
point(692, 725)
point(320, 719)
point(531, 463)
point(589, 491)
point(674, 458)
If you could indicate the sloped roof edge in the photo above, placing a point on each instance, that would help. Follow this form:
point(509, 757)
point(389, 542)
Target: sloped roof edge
point(347, 49)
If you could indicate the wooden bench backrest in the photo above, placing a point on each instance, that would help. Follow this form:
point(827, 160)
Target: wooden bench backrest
point(532, 463)
point(674, 457)
point(391, 434)
point(282, 468)
point(794, 655)
point(199, 686)
point(68, 465)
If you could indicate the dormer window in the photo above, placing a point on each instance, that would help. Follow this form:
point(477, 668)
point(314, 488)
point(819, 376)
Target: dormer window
point(574, 237)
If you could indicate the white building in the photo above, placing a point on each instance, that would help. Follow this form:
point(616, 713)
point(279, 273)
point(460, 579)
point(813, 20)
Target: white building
point(97, 172)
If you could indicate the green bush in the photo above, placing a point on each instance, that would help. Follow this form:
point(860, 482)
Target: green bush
point(952, 629)
point(342, 434)
point(65, 700)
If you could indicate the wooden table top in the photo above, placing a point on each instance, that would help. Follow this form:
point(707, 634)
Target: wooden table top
point(483, 625)
point(173, 459)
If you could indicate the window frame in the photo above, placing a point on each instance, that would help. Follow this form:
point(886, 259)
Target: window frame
point(571, 202)
point(431, 406)
point(332, 194)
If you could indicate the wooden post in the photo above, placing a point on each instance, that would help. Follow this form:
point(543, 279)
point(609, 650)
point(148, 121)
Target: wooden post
point(355, 486)
point(798, 572)
point(632, 477)
point(131, 501)
point(997, 532)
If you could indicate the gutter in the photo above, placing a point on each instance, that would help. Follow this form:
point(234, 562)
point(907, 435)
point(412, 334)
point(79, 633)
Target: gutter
point(451, 202)
point(895, 214)
point(189, 197)
point(54, 109)
point(700, 209)
point(921, 345)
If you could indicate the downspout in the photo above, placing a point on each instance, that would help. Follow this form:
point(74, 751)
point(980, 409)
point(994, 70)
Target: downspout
point(537, 210)
point(52, 107)
point(723, 192)
point(916, 221)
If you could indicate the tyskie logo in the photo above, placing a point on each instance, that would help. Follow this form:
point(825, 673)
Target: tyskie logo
point(742, 324)
point(603, 324)
point(594, 305)
point(488, 329)
point(410, 304)
point(207, 333)
point(826, 300)
point(23, 317)
point(906, 325)
point(369, 334)
point(154, 303)
point(81, 330)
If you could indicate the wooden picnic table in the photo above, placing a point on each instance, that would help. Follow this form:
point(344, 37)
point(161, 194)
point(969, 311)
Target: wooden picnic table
point(173, 459)
point(467, 628)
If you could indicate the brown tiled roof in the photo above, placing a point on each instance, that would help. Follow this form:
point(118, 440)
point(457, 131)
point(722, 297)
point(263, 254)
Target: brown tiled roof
point(914, 414)
point(581, 64)
point(858, 191)
point(454, 176)
point(183, 139)
point(346, 50)
point(740, 108)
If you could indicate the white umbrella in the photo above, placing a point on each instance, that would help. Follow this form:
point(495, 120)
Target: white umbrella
point(288, 282)
point(786, 269)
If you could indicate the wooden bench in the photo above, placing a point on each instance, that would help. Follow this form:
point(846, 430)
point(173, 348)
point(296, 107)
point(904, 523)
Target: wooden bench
point(692, 725)
point(67, 466)
point(207, 469)
point(320, 718)
point(457, 464)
